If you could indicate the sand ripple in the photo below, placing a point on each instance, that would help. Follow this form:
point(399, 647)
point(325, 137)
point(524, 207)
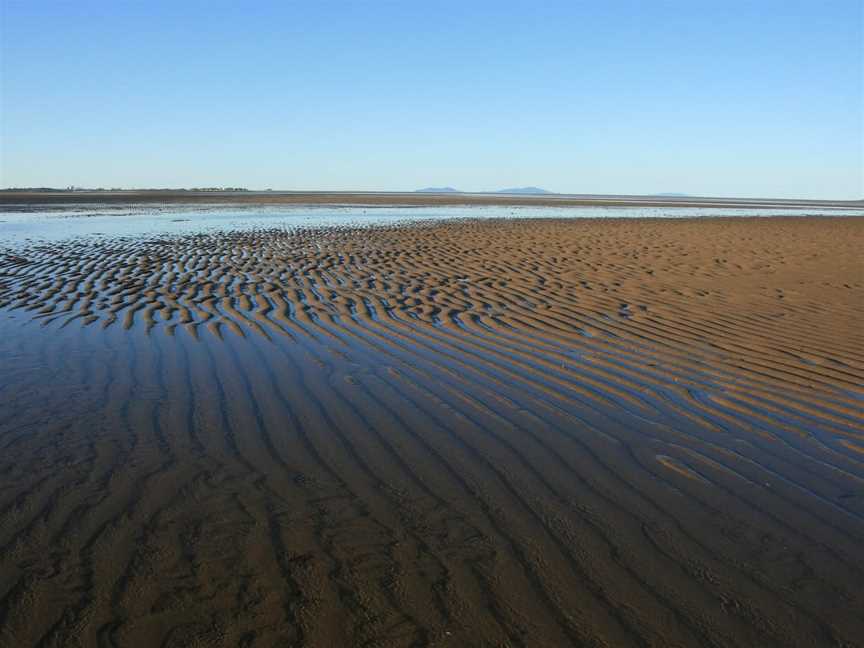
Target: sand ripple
point(464, 433)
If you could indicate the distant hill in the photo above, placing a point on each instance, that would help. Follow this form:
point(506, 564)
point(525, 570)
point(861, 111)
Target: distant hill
point(511, 190)
point(524, 190)
point(672, 195)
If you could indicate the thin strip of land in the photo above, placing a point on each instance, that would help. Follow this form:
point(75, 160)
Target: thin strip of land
point(401, 199)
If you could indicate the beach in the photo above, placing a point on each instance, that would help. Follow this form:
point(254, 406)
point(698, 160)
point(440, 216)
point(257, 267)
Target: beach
point(463, 432)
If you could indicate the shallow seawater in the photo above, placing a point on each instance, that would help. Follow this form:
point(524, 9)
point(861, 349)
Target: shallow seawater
point(257, 429)
point(19, 225)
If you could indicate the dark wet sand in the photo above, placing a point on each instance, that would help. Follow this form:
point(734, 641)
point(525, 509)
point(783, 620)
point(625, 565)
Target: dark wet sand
point(475, 433)
point(389, 199)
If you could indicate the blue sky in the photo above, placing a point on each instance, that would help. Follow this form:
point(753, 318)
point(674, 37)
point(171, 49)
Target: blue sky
point(725, 98)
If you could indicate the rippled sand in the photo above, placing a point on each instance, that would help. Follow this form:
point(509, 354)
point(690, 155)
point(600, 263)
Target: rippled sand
point(496, 433)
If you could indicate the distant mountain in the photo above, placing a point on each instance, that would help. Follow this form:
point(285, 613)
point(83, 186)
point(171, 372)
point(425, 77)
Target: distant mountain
point(672, 195)
point(512, 190)
point(524, 190)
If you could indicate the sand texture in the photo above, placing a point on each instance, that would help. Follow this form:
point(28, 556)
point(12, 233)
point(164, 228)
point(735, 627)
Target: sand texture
point(463, 433)
point(26, 199)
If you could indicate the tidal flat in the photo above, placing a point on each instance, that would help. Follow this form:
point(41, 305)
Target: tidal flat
point(482, 427)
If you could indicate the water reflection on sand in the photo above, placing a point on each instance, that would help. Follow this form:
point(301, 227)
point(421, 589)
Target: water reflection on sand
point(316, 427)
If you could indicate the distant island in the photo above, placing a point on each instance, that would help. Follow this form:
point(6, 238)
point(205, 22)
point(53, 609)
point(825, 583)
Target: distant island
point(524, 190)
point(512, 190)
point(72, 188)
point(672, 195)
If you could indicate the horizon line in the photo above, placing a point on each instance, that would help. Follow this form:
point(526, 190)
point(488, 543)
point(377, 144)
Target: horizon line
point(445, 191)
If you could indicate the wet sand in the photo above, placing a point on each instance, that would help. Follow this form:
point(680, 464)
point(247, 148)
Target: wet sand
point(387, 199)
point(465, 433)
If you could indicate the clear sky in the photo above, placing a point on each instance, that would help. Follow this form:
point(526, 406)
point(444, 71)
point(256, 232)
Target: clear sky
point(724, 98)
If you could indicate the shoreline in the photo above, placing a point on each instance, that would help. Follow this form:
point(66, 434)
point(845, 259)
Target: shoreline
point(402, 199)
